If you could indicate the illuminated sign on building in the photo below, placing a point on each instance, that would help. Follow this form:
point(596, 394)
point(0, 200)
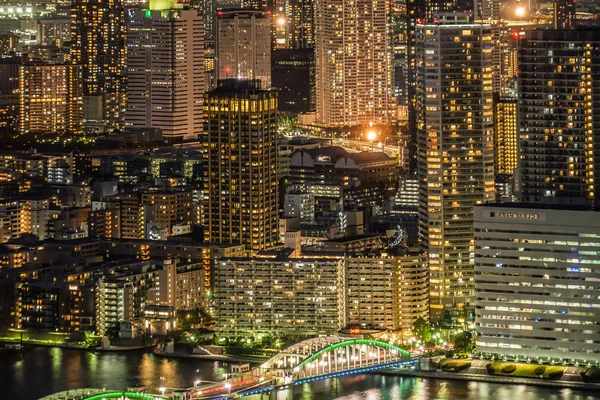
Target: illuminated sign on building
point(514, 215)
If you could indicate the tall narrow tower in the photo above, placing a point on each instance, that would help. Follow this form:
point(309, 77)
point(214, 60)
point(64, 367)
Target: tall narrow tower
point(455, 142)
point(241, 182)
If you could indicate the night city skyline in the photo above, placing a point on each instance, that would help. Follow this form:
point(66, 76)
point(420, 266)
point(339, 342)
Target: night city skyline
point(299, 198)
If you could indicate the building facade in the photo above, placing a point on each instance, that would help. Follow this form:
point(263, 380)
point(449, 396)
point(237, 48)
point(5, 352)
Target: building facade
point(319, 293)
point(354, 63)
point(455, 150)
point(537, 280)
point(244, 46)
point(165, 72)
point(98, 46)
point(297, 297)
point(50, 99)
point(559, 112)
point(241, 180)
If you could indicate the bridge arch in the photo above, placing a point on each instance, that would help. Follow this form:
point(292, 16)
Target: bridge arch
point(398, 351)
point(348, 355)
point(330, 355)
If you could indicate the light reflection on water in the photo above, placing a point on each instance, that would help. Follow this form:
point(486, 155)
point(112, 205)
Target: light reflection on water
point(40, 372)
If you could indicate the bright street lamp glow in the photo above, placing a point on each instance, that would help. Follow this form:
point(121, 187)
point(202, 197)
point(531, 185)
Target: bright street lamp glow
point(520, 12)
point(371, 135)
point(162, 390)
point(281, 21)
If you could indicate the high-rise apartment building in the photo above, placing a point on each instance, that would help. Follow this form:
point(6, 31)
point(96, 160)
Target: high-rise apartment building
point(165, 72)
point(244, 46)
point(505, 135)
point(506, 139)
point(98, 45)
point(559, 114)
point(50, 98)
point(354, 63)
point(455, 150)
point(241, 180)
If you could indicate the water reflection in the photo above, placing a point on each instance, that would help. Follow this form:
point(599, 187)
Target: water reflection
point(41, 372)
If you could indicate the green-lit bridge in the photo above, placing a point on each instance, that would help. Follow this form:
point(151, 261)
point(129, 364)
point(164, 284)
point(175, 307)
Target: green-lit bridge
point(311, 360)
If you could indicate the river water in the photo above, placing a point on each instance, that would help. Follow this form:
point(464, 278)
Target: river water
point(44, 371)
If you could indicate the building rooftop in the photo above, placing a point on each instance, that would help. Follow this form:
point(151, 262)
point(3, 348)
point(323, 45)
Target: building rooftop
point(230, 86)
point(540, 206)
point(369, 156)
point(333, 152)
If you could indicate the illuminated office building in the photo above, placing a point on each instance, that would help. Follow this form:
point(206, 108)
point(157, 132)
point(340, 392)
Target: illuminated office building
point(165, 71)
point(241, 179)
point(98, 45)
point(455, 150)
point(354, 63)
point(559, 114)
point(537, 278)
point(244, 46)
point(50, 98)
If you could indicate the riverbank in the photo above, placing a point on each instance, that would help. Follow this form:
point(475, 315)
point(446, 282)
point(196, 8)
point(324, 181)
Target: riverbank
point(32, 343)
point(480, 377)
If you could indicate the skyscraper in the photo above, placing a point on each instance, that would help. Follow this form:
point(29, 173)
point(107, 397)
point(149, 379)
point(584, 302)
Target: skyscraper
point(294, 24)
point(354, 62)
point(241, 183)
point(455, 150)
point(421, 12)
point(165, 72)
point(98, 45)
point(50, 98)
point(244, 46)
point(559, 114)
